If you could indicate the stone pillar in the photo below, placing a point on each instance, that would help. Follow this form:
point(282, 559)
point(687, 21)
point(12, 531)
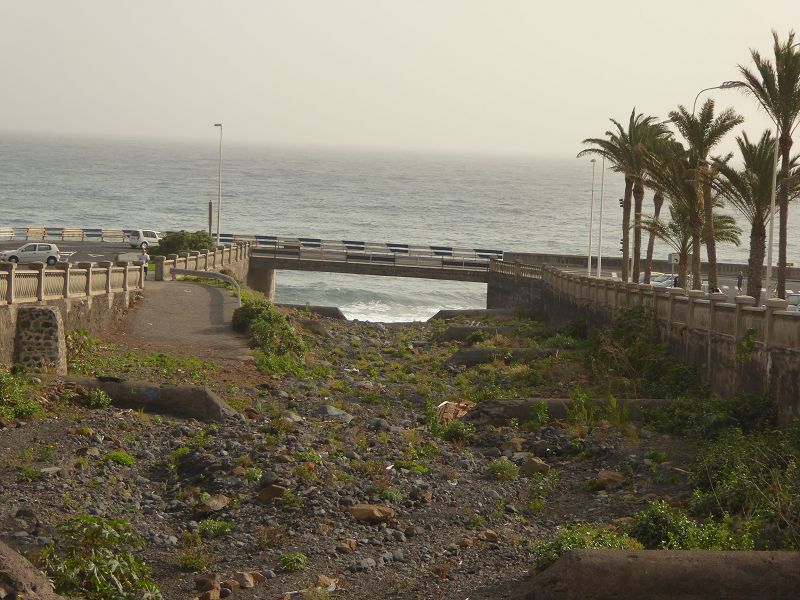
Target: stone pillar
point(269, 284)
point(65, 266)
point(9, 268)
point(773, 304)
point(741, 302)
point(194, 256)
point(714, 299)
point(39, 341)
point(40, 268)
point(89, 274)
point(159, 272)
point(204, 258)
point(106, 265)
point(124, 265)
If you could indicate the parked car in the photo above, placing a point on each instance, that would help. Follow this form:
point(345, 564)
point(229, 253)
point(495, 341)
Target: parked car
point(663, 280)
point(144, 238)
point(794, 302)
point(33, 252)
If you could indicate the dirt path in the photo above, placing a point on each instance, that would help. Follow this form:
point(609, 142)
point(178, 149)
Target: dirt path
point(182, 319)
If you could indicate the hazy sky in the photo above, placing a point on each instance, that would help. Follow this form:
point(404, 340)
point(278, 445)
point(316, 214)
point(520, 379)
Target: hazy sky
point(500, 76)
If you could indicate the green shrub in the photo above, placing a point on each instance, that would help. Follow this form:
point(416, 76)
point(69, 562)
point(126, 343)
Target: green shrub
point(16, 398)
point(97, 561)
point(392, 495)
point(214, 528)
point(582, 409)
point(97, 398)
point(539, 416)
point(458, 431)
point(706, 416)
point(410, 465)
point(178, 242)
point(581, 535)
point(502, 470)
point(281, 347)
point(119, 457)
point(293, 561)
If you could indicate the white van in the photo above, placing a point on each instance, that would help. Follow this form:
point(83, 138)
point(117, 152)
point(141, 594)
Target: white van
point(144, 238)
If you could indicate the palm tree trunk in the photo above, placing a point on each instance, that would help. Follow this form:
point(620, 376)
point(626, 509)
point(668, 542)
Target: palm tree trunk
point(658, 202)
point(626, 225)
point(711, 245)
point(755, 262)
point(638, 198)
point(697, 238)
point(783, 202)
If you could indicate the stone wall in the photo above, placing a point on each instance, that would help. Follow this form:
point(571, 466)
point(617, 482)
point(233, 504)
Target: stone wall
point(39, 342)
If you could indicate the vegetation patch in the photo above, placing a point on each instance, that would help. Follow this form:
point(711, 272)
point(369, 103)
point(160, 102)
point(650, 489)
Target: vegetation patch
point(17, 398)
point(578, 536)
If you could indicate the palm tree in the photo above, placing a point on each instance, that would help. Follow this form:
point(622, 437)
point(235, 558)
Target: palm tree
point(702, 133)
point(749, 191)
point(662, 152)
point(626, 150)
point(677, 233)
point(675, 180)
point(777, 89)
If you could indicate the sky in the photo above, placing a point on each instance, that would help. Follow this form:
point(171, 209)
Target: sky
point(459, 76)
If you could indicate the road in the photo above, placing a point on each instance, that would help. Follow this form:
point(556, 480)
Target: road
point(84, 251)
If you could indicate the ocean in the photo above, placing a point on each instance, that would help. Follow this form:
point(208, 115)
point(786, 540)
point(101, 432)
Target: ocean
point(532, 204)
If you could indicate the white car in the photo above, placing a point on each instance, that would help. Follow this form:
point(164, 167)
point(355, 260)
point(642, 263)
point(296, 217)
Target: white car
point(33, 252)
point(794, 302)
point(144, 238)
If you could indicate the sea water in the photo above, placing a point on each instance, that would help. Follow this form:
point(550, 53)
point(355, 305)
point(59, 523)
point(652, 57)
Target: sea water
point(534, 204)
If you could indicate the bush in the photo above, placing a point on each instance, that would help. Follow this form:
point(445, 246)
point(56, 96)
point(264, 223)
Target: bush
point(581, 535)
point(706, 417)
point(97, 398)
point(458, 431)
point(118, 457)
point(662, 526)
point(98, 561)
point(184, 241)
point(503, 470)
point(15, 398)
point(214, 528)
point(270, 332)
point(293, 561)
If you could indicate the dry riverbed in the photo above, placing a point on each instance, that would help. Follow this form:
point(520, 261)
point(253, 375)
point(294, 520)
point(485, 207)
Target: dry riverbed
point(338, 480)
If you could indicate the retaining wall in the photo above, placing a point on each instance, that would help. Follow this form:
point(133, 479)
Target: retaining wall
point(705, 330)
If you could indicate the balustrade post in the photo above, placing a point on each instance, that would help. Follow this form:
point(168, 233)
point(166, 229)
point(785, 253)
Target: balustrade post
point(66, 267)
point(11, 269)
point(194, 255)
point(106, 265)
point(89, 268)
point(741, 303)
point(713, 299)
point(773, 304)
point(40, 268)
point(204, 255)
point(124, 265)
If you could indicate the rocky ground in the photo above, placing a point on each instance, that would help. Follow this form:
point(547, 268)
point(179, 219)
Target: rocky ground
point(333, 480)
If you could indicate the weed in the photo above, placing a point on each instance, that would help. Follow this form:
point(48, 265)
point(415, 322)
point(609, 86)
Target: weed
point(311, 456)
point(193, 556)
point(97, 560)
point(291, 499)
point(293, 561)
point(269, 536)
point(410, 465)
point(458, 431)
point(502, 470)
point(119, 457)
point(539, 416)
point(582, 410)
point(392, 495)
point(214, 528)
point(581, 535)
point(16, 401)
point(253, 474)
point(475, 521)
point(746, 347)
point(97, 398)
point(29, 474)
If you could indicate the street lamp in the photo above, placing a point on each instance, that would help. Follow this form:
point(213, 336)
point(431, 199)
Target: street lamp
point(591, 225)
point(725, 85)
point(600, 233)
point(219, 200)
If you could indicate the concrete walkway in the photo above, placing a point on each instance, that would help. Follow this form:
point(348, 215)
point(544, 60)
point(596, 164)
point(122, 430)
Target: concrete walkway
point(182, 319)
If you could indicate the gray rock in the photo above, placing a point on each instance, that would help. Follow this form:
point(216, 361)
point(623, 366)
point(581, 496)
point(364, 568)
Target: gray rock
point(326, 411)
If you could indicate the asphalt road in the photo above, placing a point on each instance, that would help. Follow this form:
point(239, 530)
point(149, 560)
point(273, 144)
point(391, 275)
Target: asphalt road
point(84, 251)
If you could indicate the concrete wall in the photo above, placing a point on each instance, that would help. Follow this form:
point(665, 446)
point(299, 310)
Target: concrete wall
point(231, 259)
point(703, 330)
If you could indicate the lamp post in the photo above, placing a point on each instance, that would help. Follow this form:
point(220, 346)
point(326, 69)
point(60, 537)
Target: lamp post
point(600, 233)
point(219, 199)
point(725, 85)
point(591, 225)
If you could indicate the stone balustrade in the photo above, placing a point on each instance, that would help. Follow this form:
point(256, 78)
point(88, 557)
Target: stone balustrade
point(37, 282)
point(233, 257)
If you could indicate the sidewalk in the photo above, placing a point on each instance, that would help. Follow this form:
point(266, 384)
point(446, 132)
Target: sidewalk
point(183, 319)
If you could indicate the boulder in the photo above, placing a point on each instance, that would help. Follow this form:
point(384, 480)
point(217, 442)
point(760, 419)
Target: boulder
point(371, 513)
point(607, 479)
point(270, 493)
point(534, 465)
point(20, 579)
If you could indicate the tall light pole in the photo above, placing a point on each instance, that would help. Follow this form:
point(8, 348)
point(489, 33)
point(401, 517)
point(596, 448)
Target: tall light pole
point(219, 199)
point(591, 225)
point(725, 85)
point(600, 233)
